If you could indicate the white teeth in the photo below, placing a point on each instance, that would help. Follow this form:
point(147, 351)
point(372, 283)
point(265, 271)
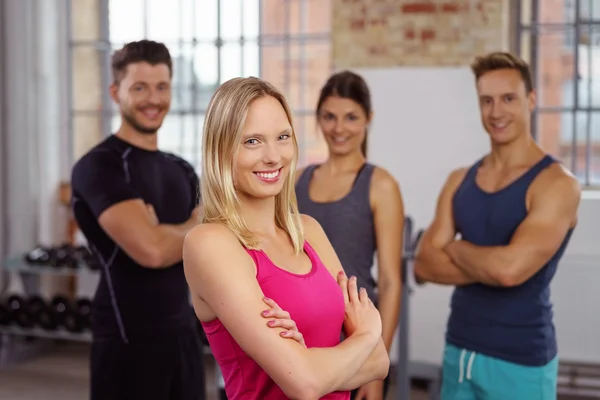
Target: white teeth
point(270, 175)
point(151, 113)
point(340, 140)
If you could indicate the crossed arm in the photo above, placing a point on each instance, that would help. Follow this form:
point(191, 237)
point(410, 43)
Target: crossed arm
point(212, 254)
point(98, 182)
point(441, 259)
point(552, 213)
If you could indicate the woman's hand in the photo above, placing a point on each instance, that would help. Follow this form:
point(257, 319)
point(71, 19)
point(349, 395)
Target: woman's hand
point(370, 391)
point(362, 317)
point(281, 319)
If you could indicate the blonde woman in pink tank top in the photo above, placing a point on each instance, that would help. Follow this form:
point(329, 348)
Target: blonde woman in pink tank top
point(254, 249)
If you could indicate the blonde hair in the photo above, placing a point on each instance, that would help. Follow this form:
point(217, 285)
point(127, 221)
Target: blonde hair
point(223, 126)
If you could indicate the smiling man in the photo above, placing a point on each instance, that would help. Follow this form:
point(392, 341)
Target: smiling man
point(515, 210)
point(134, 204)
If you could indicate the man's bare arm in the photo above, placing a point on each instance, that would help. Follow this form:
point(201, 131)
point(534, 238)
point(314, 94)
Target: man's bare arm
point(432, 264)
point(552, 213)
point(131, 225)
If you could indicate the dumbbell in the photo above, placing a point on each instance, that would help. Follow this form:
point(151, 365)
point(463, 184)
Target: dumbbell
point(17, 308)
point(39, 256)
point(64, 256)
point(4, 315)
point(41, 313)
point(84, 312)
point(85, 256)
point(68, 315)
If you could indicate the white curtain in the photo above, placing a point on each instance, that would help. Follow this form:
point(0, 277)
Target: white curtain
point(34, 146)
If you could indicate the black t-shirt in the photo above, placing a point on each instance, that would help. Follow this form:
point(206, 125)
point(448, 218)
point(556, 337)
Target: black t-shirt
point(132, 301)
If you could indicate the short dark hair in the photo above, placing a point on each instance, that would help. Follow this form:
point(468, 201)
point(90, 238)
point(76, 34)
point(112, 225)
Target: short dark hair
point(502, 60)
point(349, 85)
point(149, 51)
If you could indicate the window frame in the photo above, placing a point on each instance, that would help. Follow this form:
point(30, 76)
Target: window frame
point(287, 39)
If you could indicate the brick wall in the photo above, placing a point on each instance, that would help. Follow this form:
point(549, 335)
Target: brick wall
point(387, 33)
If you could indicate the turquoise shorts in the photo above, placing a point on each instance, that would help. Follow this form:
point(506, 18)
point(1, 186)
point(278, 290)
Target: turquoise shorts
point(467, 375)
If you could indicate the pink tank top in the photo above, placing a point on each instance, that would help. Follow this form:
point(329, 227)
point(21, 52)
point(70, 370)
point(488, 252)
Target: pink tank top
point(315, 303)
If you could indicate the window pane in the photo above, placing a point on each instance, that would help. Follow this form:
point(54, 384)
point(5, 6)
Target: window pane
point(87, 132)
point(205, 20)
point(250, 19)
point(554, 133)
point(181, 134)
point(87, 85)
point(317, 69)
point(296, 60)
point(170, 21)
point(251, 62)
point(171, 133)
point(318, 16)
point(273, 66)
point(589, 10)
point(275, 17)
point(526, 43)
point(588, 67)
point(191, 146)
point(556, 12)
point(126, 20)
point(231, 19)
point(115, 122)
point(311, 145)
point(555, 69)
point(586, 146)
point(526, 12)
point(186, 86)
point(206, 69)
point(566, 135)
point(594, 149)
point(231, 61)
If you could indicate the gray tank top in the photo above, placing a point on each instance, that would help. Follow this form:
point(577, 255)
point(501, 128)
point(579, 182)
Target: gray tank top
point(348, 223)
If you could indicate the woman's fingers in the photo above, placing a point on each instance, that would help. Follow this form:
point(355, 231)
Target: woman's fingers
point(297, 336)
point(363, 296)
point(353, 290)
point(283, 323)
point(271, 302)
point(343, 282)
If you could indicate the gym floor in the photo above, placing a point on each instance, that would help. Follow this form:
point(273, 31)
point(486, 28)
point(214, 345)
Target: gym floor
point(62, 373)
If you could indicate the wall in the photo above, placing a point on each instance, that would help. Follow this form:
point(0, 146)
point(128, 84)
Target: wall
point(427, 123)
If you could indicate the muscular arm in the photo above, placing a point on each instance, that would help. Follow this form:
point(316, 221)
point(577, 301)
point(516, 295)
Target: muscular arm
point(432, 264)
point(152, 245)
point(552, 212)
point(212, 255)
point(99, 183)
point(388, 213)
point(377, 364)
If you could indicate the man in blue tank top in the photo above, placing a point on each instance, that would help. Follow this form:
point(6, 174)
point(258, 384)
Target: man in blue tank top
point(499, 231)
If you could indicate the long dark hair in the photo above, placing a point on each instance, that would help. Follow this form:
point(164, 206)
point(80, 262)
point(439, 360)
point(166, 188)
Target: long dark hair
point(349, 85)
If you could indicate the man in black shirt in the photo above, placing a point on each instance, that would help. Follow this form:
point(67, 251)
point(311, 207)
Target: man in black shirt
point(134, 204)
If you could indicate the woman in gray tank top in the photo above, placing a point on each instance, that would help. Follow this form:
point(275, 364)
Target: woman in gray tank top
point(358, 205)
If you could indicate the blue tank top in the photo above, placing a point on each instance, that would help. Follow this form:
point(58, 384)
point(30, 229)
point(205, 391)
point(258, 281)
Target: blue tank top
point(513, 324)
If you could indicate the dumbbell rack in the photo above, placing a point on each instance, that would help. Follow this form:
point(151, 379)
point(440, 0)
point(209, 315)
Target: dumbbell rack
point(15, 342)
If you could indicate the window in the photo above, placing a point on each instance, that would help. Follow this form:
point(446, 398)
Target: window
point(283, 41)
point(561, 39)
